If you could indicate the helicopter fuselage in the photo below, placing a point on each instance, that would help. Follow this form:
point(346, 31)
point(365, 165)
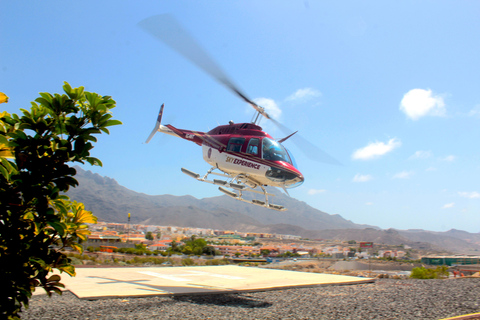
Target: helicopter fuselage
point(244, 149)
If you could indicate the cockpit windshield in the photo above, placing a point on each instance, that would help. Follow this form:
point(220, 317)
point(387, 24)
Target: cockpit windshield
point(272, 150)
point(294, 163)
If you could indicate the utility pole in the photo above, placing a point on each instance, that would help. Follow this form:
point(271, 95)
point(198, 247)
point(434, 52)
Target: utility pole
point(128, 227)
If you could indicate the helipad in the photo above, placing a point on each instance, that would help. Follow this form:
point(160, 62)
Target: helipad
point(98, 283)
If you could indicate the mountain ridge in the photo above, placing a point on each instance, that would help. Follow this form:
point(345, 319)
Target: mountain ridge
point(111, 202)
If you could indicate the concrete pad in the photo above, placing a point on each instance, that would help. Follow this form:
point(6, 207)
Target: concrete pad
point(98, 283)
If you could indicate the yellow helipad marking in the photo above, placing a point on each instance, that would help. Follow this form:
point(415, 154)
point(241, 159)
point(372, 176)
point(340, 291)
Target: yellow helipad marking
point(470, 316)
point(96, 283)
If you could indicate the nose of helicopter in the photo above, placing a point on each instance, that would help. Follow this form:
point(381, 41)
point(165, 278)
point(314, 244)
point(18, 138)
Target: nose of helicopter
point(296, 181)
point(289, 177)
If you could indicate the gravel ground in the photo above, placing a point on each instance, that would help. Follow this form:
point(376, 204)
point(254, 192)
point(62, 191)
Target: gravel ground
point(384, 299)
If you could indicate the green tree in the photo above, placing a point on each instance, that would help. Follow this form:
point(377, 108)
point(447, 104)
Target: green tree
point(140, 246)
point(200, 243)
point(197, 251)
point(187, 250)
point(208, 250)
point(174, 246)
point(149, 235)
point(265, 252)
point(194, 245)
point(36, 219)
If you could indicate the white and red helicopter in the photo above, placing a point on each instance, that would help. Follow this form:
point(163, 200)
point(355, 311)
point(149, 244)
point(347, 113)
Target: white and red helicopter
point(245, 157)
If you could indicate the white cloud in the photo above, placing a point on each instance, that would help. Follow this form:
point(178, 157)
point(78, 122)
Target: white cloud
point(362, 178)
point(417, 103)
point(449, 158)
point(470, 195)
point(313, 192)
point(431, 169)
point(271, 107)
point(375, 149)
point(475, 112)
point(448, 205)
point(304, 94)
point(403, 175)
point(369, 203)
point(421, 155)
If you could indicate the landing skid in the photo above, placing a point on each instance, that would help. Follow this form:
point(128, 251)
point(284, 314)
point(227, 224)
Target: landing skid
point(239, 183)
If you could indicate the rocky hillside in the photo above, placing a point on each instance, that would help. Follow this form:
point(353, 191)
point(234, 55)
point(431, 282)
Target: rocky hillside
point(111, 202)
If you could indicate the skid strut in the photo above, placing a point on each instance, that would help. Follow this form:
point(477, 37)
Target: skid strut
point(236, 183)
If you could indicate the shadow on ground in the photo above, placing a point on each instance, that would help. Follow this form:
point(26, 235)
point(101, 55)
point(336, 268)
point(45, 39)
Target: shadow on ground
point(227, 300)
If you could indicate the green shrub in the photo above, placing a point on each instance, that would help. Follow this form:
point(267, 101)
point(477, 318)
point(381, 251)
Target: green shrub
point(130, 251)
point(75, 261)
point(216, 262)
point(439, 272)
point(188, 262)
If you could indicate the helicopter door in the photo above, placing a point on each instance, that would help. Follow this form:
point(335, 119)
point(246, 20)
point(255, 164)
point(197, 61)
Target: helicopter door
point(235, 144)
point(253, 146)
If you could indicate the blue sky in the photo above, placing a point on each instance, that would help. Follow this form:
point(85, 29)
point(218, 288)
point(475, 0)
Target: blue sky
point(390, 89)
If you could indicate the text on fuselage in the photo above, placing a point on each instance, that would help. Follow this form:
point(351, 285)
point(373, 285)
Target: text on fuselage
point(243, 163)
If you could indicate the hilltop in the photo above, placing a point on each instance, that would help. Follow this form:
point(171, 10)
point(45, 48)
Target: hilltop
point(111, 202)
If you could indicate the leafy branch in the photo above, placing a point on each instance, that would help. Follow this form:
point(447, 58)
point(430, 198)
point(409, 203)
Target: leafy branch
point(36, 220)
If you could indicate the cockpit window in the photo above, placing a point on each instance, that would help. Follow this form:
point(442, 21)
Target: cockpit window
point(272, 150)
point(253, 146)
point(235, 144)
point(294, 163)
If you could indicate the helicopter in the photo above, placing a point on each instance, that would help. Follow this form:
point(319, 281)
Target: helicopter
point(242, 155)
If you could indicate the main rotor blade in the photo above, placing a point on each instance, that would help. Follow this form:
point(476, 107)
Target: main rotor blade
point(310, 150)
point(165, 28)
point(168, 30)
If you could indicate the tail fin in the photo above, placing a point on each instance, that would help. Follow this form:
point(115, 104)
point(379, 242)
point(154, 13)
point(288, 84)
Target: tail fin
point(157, 125)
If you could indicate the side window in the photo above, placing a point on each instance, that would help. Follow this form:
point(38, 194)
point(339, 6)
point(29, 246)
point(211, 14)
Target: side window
point(235, 144)
point(267, 149)
point(253, 146)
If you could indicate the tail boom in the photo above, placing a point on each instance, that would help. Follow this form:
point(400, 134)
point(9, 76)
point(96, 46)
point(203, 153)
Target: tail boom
point(194, 136)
